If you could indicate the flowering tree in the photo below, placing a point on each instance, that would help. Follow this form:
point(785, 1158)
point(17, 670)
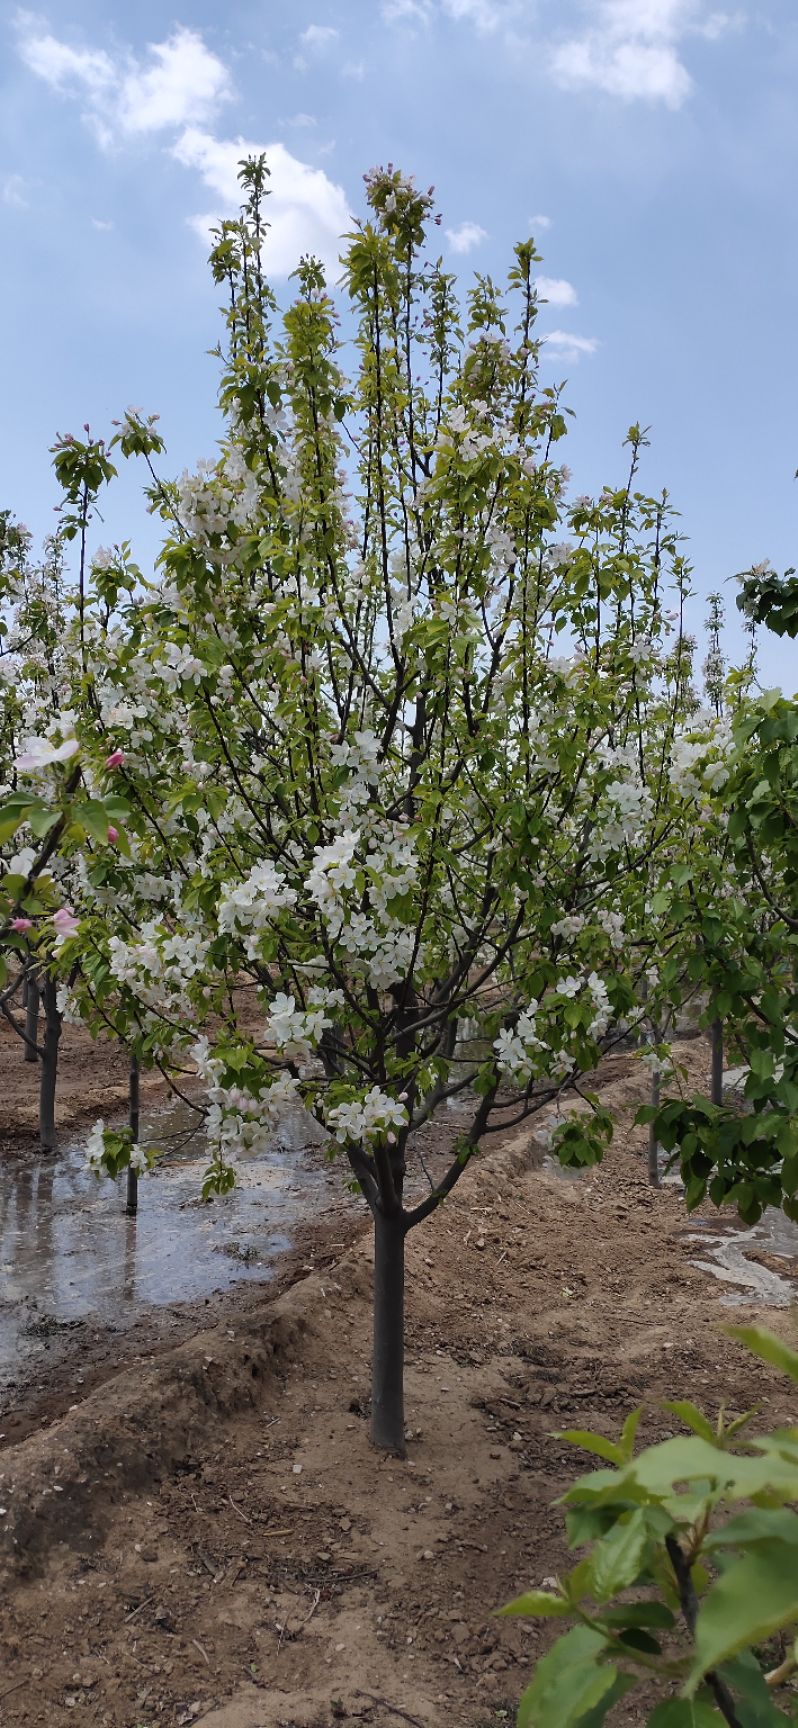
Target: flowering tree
point(377, 845)
point(738, 917)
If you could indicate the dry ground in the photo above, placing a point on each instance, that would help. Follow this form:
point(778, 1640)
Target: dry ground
point(207, 1537)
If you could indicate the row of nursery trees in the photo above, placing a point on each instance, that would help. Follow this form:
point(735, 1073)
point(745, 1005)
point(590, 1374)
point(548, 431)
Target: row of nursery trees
point(392, 785)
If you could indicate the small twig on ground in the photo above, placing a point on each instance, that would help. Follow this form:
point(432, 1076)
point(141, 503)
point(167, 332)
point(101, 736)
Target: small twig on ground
point(203, 1653)
point(14, 1688)
point(238, 1510)
point(137, 1610)
point(394, 1708)
point(316, 1601)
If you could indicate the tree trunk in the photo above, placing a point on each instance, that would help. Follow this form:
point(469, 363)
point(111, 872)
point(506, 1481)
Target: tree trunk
point(132, 1198)
point(716, 1031)
point(387, 1378)
point(31, 1014)
point(653, 1144)
point(49, 1073)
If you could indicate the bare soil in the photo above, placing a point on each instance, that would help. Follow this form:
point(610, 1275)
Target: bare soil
point(206, 1536)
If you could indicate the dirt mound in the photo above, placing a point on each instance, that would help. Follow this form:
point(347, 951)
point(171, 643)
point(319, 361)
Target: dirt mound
point(58, 1487)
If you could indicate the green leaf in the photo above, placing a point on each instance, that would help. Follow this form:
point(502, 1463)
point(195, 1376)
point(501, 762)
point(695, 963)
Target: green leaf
point(638, 1614)
point(685, 1713)
point(767, 1346)
point(12, 816)
point(617, 1559)
point(41, 820)
point(93, 816)
point(691, 1459)
point(692, 1418)
point(629, 1433)
point(542, 1604)
point(759, 1524)
point(595, 1443)
point(594, 1718)
point(756, 1706)
point(569, 1681)
point(753, 1598)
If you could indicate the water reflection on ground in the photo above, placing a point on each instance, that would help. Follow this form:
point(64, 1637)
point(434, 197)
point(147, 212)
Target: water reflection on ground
point(730, 1252)
point(68, 1253)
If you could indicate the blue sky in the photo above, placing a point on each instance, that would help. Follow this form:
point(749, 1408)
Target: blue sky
point(648, 144)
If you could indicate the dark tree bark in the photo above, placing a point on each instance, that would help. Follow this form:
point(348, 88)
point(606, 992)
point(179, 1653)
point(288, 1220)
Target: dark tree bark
point(132, 1196)
point(653, 1143)
point(49, 1071)
point(716, 1032)
point(387, 1383)
point(31, 1014)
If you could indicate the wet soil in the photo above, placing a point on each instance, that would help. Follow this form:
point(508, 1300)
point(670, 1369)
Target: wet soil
point(208, 1537)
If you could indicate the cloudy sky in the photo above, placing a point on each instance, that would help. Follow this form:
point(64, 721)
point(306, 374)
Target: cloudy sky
point(649, 145)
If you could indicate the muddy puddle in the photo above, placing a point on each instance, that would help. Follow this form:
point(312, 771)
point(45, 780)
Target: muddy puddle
point(733, 1254)
point(70, 1260)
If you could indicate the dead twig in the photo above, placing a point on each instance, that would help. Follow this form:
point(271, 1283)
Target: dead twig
point(203, 1653)
point(10, 1689)
point(135, 1611)
point(316, 1601)
point(238, 1510)
point(393, 1708)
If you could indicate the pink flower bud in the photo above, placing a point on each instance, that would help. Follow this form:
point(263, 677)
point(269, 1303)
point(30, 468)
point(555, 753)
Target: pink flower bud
point(391, 1139)
point(22, 924)
point(115, 759)
point(65, 921)
point(113, 834)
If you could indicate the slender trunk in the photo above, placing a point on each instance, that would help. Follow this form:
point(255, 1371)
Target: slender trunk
point(387, 1380)
point(31, 1014)
point(716, 1032)
point(651, 1036)
point(132, 1201)
point(49, 1071)
point(653, 1144)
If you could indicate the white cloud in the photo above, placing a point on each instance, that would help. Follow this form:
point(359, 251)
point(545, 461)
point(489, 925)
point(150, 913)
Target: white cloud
point(175, 81)
point(719, 24)
point(184, 81)
point(633, 48)
point(57, 63)
point(484, 15)
point(540, 223)
point(563, 345)
point(318, 38)
point(355, 69)
point(556, 291)
point(12, 191)
point(466, 237)
point(303, 122)
point(102, 226)
point(316, 41)
point(406, 11)
point(307, 211)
